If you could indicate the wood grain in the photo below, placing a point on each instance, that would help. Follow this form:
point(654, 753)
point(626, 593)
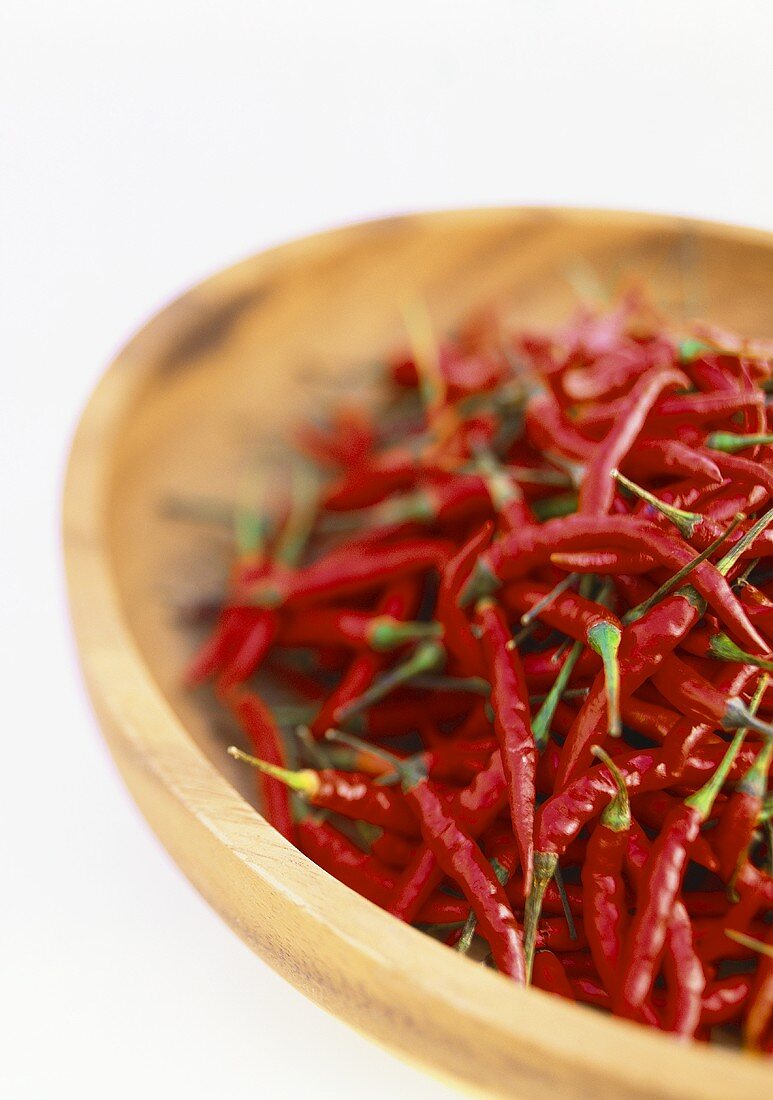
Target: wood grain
point(206, 390)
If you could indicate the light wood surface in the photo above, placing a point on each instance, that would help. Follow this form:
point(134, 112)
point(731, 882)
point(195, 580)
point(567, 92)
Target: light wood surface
point(209, 386)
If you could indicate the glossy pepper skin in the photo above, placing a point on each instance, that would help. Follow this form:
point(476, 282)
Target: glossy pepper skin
point(387, 594)
point(666, 868)
point(475, 808)
point(515, 554)
point(603, 886)
point(598, 489)
point(461, 859)
point(644, 644)
point(512, 722)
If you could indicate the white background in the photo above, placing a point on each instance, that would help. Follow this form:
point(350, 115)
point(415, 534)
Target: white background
point(143, 145)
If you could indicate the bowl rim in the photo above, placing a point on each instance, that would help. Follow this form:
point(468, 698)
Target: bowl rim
point(155, 752)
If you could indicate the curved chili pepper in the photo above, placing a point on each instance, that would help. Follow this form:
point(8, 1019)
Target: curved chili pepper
point(666, 869)
point(697, 697)
point(341, 858)
point(549, 974)
point(585, 621)
point(459, 640)
point(604, 894)
point(659, 457)
point(738, 820)
point(342, 574)
point(249, 655)
point(598, 489)
point(603, 562)
point(331, 626)
point(258, 723)
point(461, 859)
point(513, 555)
point(344, 793)
point(221, 645)
point(476, 807)
point(512, 722)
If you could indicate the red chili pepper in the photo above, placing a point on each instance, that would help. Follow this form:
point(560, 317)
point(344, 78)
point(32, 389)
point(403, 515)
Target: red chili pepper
point(345, 793)
point(393, 850)
point(460, 643)
point(341, 575)
point(515, 554)
point(661, 457)
point(221, 645)
point(666, 868)
point(598, 488)
point(549, 974)
point(461, 859)
point(257, 721)
point(604, 894)
point(696, 697)
point(337, 855)
point(359, 629)
point(585, 621)
point(476, 807)
point(604, 562)
point(512, 722)
point(738, 820)
point(250, 654)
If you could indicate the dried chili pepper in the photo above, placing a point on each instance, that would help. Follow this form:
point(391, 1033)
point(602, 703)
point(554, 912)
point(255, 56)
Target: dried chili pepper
point(561, 472)
point(666, 868)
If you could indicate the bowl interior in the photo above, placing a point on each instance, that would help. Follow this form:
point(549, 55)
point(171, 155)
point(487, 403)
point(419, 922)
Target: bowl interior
point(206, 393)
point(235, 362)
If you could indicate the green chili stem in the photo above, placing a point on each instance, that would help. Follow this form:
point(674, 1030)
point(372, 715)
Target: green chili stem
point(427, 656)
point(743, 544)
point(691, 348)
point(467, 936)
point(564, 504)
point(685, 522)
point(480, 583)
point(730, 443)
point(604, 638)
point(388, 633)
point(703, 799)
point(545, 864)
point(568, 914)
point(544, 717)
point(297, 530)
point(304, 781)
point(617, 815)
point(750, 941)
point(673, 582)
point(536, 609)
point(724, 648)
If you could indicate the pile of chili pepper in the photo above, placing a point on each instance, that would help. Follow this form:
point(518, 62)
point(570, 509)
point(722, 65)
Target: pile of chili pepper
point(524, 613)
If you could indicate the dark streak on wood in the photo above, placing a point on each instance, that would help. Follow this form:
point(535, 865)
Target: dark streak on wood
point(207, 326)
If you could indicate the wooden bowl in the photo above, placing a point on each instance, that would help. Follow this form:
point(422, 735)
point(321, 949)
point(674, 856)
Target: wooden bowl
point(225, 369)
